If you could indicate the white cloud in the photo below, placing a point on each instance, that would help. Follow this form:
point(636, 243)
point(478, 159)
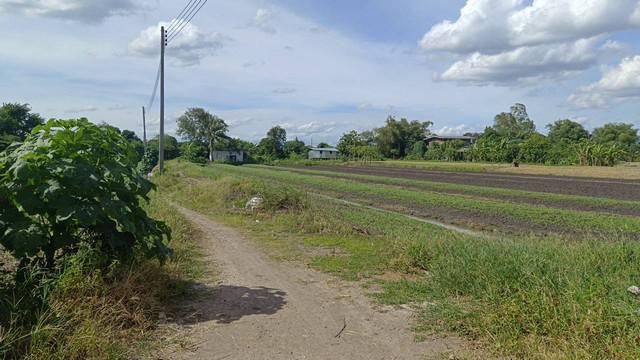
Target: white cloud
point(77, 10)
point(263, 21)
point(365, 106)
point(493, 26)
point(284, 91)
point(522, 64)
point(455, 130)
point(618, 84)
point(188, 47)
point(81, 110)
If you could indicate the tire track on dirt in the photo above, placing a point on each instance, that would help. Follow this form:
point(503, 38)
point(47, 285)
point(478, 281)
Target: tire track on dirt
point(262, 309)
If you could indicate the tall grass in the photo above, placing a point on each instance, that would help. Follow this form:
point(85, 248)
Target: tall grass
point(522, 297)
point(93, 310)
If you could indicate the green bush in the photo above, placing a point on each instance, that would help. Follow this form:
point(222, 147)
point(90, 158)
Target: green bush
point(72, 183)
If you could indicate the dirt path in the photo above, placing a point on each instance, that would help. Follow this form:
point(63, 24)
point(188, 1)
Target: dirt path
point(262, 309)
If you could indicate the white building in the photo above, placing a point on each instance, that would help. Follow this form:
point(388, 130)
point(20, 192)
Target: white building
point(323, 153)
point(234, 156)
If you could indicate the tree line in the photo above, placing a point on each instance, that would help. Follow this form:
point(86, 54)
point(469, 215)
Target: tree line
point(513, 137)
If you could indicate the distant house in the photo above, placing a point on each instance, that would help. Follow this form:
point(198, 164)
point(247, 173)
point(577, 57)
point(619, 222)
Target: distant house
point(234, 156)
point(435, 139)
point(323, 153)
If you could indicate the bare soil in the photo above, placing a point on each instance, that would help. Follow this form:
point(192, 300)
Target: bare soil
point(608, 209)
point(605, 188)
point(263, 309)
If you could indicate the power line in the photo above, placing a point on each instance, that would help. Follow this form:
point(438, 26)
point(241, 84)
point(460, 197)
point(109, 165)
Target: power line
point(187, 22)
point(185, 16)
point(193, 4)
point(176, 20)
point(155, 91)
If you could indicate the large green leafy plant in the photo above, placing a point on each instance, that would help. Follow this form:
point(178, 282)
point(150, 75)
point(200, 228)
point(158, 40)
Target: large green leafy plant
point(73, 183)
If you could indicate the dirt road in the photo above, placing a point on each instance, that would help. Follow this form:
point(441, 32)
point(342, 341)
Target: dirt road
point(606, 188)
point(263, 309)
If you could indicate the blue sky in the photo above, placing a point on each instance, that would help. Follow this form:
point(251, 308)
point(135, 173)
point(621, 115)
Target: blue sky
point(321, 68)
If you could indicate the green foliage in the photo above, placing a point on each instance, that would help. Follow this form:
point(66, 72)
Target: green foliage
point(295, 148)
point(447, 151)
point(194, 151)
point(16, 122)
point(567, 130)
point(272, 146)
point(493, 147)
point(70, 183)
point(418, 151)
point(323, 145)
point(149, 160)
point(171, 147)
point(396, 137)
point(197, 124)
point(616, 133)
point(592, 153)
point(353, 145)
point(515, 124)
point(534, 150)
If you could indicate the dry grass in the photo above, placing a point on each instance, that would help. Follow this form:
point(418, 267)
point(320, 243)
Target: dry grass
point(90, 312)
point(627, 171)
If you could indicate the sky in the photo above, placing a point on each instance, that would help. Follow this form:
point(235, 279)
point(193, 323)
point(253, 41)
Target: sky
point(320, 68)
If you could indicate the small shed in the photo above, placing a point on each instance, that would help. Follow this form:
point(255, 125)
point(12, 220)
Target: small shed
point(323, 153)
point(234, 156)
point(435, 139)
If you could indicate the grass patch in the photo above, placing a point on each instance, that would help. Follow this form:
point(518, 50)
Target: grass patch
point(90, 311)
point(602, 204)
point(523, 297)
point(526, 297)
point(545, 218)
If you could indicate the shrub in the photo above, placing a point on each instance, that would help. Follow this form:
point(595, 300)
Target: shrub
point(72, 183)
point(194, 152)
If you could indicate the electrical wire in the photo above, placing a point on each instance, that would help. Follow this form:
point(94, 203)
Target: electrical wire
point(185, 16)
point(185, 20)
point(186, 23)
point(155, 91)
point(176, 20)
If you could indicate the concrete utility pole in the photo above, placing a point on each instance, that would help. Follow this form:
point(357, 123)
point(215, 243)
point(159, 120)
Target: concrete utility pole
point(163, 43)
point(144, 129)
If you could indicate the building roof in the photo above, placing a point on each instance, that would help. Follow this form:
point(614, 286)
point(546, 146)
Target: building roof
point(323, 149)
point(445, 137)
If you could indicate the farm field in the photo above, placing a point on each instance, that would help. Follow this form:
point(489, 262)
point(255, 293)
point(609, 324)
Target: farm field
point(607, 188)
point(628, 171)
point(539, 213)
point(542, 275)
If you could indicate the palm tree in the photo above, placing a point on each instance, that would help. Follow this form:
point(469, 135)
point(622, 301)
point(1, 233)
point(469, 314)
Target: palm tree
point(197, 124)
point(214, 131)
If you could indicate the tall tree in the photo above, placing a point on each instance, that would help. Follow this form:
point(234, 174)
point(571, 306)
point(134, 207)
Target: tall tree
point(567, 130)
point(616, 133)
point(349, 141)
point(397, 137)
point(273, 144)
point(16, 121)
point(295, 147)
point(197, 124)
point(515, 124)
